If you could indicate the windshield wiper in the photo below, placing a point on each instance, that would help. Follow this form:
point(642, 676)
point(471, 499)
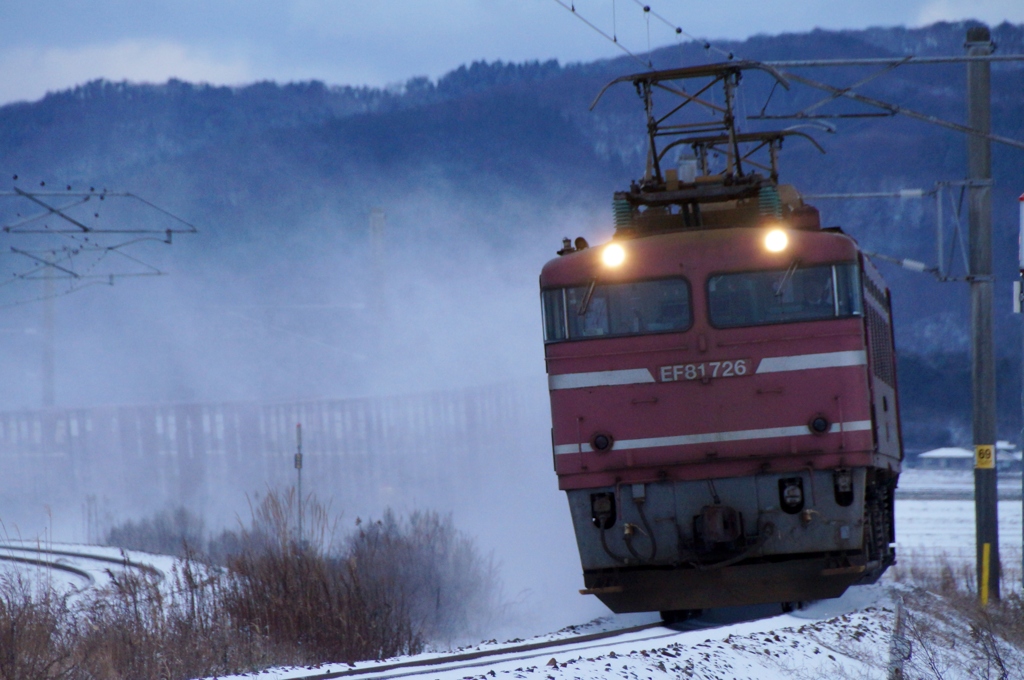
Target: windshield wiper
point(585, 302)
point(777, 289)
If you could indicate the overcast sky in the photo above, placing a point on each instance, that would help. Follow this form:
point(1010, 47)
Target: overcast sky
point(56, 44)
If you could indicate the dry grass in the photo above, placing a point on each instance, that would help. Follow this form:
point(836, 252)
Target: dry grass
point(38, 631)
point(951, 633)
point(140, 628)
point(389, 589)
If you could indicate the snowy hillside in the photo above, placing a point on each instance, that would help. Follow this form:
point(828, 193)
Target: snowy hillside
point(851, 637)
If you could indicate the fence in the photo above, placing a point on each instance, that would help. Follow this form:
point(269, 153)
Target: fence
point(369, 451)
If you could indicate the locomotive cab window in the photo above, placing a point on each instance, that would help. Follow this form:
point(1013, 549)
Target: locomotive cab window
point(615, 310)
point(784, 296)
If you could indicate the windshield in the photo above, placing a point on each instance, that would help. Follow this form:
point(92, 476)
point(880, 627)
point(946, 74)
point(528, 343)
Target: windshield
point(784, 296)
point(607, 310)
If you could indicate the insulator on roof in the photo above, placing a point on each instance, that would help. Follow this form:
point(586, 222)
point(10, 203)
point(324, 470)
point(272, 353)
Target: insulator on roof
point(623, 212)
point(769, 203)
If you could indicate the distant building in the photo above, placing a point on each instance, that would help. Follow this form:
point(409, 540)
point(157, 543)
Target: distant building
point(947, 458)
point(1008, 458)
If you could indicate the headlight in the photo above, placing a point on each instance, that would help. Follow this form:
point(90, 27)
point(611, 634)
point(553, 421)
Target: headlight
point(613, 255)
point(776, 241)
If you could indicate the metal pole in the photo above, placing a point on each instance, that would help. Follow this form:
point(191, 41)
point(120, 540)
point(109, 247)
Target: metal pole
point(902, 193)
point(899, 645)
point(979, 174)
point(890, 61)
point(378, 262)
point(1017, 308)
point(298, 467)
point(940, 231)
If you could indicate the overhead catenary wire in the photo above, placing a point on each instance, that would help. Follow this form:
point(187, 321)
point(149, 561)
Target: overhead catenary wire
point(648, 11)
point(83, 247)
point(83, 197)
point(889, 109)
point(612, 39)
point(647, 21)
point(678, 30)
point(56, 264)
point(615, 23)
point(95, 280)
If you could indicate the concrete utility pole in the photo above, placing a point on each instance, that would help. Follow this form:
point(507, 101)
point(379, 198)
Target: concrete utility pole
point(979, 192)
point(1018, 301)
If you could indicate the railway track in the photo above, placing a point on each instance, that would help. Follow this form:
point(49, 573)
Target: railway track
point(58, 560)
point(532, 650)
point(597, 643)
point(488, 657)
point(89, 579)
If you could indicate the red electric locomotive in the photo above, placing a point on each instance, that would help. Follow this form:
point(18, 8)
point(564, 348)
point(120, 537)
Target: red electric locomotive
point(722, 381)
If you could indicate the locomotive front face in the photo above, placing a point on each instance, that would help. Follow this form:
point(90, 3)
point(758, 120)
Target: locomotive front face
point(721, 416)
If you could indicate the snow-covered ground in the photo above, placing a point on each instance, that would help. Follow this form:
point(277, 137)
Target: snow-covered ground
point(848, 637)
point(845, 638)
point(850, 633)
point(951, 484)
point(932, 532)
point(97, 571)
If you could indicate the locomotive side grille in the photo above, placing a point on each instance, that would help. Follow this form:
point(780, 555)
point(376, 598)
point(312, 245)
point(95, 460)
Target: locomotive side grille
point(874, 291)
point(882, 360)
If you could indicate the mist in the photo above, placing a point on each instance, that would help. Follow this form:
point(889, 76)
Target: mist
point(366, 263)
point(425, 297)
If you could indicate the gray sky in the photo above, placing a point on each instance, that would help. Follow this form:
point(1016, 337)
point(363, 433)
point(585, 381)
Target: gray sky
point(55, 44)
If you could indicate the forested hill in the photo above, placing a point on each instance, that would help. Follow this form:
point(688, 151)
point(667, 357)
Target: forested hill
point(493, 161)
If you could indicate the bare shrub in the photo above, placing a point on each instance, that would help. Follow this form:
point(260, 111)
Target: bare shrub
point(450, 589)
point(310, 605)
point(390, 588)
point(937, 572)
point(222, 546)
point(274, 598)
point(952, 634)
point(165, 533)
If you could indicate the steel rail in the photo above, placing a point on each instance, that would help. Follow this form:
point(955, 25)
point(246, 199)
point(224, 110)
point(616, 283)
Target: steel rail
point(465, 659)
point(123, 562)
point(51, 565)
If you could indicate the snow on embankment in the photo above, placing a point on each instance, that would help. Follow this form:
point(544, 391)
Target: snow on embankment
point(851, 637)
